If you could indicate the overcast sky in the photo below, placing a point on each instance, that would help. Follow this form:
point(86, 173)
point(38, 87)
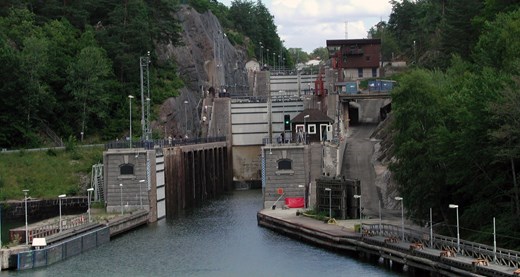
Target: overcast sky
point(308, 24)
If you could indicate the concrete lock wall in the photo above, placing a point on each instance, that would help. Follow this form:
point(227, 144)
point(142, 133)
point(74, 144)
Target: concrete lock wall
point(246, 165)
point(133, 192)
point(285, 180)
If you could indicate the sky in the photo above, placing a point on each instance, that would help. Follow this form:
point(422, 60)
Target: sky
point(308, 24)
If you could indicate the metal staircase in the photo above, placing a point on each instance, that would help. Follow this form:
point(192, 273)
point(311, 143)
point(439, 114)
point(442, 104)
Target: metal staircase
point(96, 182)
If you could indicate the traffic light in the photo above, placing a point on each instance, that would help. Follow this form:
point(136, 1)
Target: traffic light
point(286, 122)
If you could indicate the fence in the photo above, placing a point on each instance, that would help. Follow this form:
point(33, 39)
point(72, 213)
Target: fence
point(472, 249)
point(151, 144)
point(63, 250)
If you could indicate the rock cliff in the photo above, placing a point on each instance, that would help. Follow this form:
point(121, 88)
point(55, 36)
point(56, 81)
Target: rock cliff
point(207, 62)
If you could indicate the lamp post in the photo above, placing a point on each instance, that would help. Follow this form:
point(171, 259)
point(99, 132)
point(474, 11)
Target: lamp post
point(358, 196)
point(402, 216)
point(267, 57)
point(456, 207)
point(304, 196)
point(130, 97)
point(330, 202)
point(60, 197)
point(261, 55)
point(140, 197)
point(305, 127)
point(121, 189)
point(274, 60)
point(89, 191)
point(26, 225)
point(186, 117)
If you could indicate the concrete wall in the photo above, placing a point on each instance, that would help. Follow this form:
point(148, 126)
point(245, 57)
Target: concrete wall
point(292, 83)
point(287, 180)
point(132, 192)
point(43, 209)
point(246, 163)
point(307, 167)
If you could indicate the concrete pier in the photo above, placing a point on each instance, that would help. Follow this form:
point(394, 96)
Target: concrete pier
point(394, 252)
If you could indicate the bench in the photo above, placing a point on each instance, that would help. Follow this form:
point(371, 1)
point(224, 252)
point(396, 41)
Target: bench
point(481, 262)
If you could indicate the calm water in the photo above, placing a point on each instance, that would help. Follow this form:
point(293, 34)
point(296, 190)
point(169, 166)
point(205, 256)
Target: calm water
point(219, 239)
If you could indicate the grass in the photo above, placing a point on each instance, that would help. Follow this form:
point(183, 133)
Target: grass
point(47, 174)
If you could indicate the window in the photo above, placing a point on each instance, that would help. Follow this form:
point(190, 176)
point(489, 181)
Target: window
point(126, 169)
point(312, 129)
point(360, 72)
point(374, 72)
point(284, 164)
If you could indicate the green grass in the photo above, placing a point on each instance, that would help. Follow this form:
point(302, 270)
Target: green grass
point(47, 174)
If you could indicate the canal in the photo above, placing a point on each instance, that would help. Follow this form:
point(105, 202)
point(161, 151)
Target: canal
point(219, 239)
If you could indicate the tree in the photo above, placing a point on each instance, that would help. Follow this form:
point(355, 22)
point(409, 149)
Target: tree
point(87, 80)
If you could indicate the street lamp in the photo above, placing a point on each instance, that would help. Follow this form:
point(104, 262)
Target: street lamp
point(305, 127)
point(141, 198)
point(330, 202)
point(402, 216)
point(89, 191)
point(130, 97)
point(60, 197)
point(186, 117)
point(26, 225)
point(274, 61)
point(358, 196)
point(121, 186)
point(456, 207)
point(267, 56)
point(304, 196)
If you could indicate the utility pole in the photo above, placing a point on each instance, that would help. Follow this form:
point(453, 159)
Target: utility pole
point(145, 97)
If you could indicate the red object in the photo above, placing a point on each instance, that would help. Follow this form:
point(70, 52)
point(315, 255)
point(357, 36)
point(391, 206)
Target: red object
point(280, 191)
point(294, 202)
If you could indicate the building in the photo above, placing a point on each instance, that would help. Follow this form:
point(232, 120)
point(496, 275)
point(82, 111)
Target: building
point(355, 59)
point(314, 123)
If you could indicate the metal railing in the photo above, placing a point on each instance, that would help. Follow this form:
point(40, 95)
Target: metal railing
point(501, 256)
point(54, 228)
point(160, 143)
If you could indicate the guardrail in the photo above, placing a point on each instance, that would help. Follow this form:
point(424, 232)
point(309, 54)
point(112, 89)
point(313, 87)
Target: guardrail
point(500, 256)
point(161, 143)
point(54, 228)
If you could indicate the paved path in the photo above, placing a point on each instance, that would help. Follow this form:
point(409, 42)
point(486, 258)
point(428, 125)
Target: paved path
point(345, 229)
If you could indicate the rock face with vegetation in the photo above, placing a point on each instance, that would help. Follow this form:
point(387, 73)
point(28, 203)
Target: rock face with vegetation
point(206, 60)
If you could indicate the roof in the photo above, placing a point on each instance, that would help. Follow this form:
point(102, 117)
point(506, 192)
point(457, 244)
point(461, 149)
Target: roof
point(315, 115)
point(341, 42)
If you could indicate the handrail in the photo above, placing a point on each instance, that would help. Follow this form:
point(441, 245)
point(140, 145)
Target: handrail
point(477, 250)
point(160, 143)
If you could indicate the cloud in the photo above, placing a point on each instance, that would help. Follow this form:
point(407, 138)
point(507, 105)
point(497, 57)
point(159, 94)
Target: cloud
point(308, 24)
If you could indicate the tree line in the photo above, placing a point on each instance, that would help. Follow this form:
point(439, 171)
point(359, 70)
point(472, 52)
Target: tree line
point(456, 113)
point(70, 65)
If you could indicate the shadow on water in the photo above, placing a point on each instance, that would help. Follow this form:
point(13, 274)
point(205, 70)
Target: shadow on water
point(220, 238)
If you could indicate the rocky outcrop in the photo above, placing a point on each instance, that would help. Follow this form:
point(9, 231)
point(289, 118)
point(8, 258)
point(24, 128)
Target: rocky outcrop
point(381, 160)
point(206, 61)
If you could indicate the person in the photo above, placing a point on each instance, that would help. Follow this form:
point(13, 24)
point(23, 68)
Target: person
point(283, 137)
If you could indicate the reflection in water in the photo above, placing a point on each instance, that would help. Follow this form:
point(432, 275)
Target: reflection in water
point(219, 239)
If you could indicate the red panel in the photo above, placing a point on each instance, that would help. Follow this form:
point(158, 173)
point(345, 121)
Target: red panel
point(294, 202)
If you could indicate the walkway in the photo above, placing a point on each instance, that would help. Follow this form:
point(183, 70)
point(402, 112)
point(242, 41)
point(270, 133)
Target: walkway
point(388, 246)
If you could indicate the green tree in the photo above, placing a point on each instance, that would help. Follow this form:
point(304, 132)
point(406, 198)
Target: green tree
point(87, 77)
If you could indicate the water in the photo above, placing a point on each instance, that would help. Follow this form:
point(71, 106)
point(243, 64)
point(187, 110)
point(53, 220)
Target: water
point(220, 239)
